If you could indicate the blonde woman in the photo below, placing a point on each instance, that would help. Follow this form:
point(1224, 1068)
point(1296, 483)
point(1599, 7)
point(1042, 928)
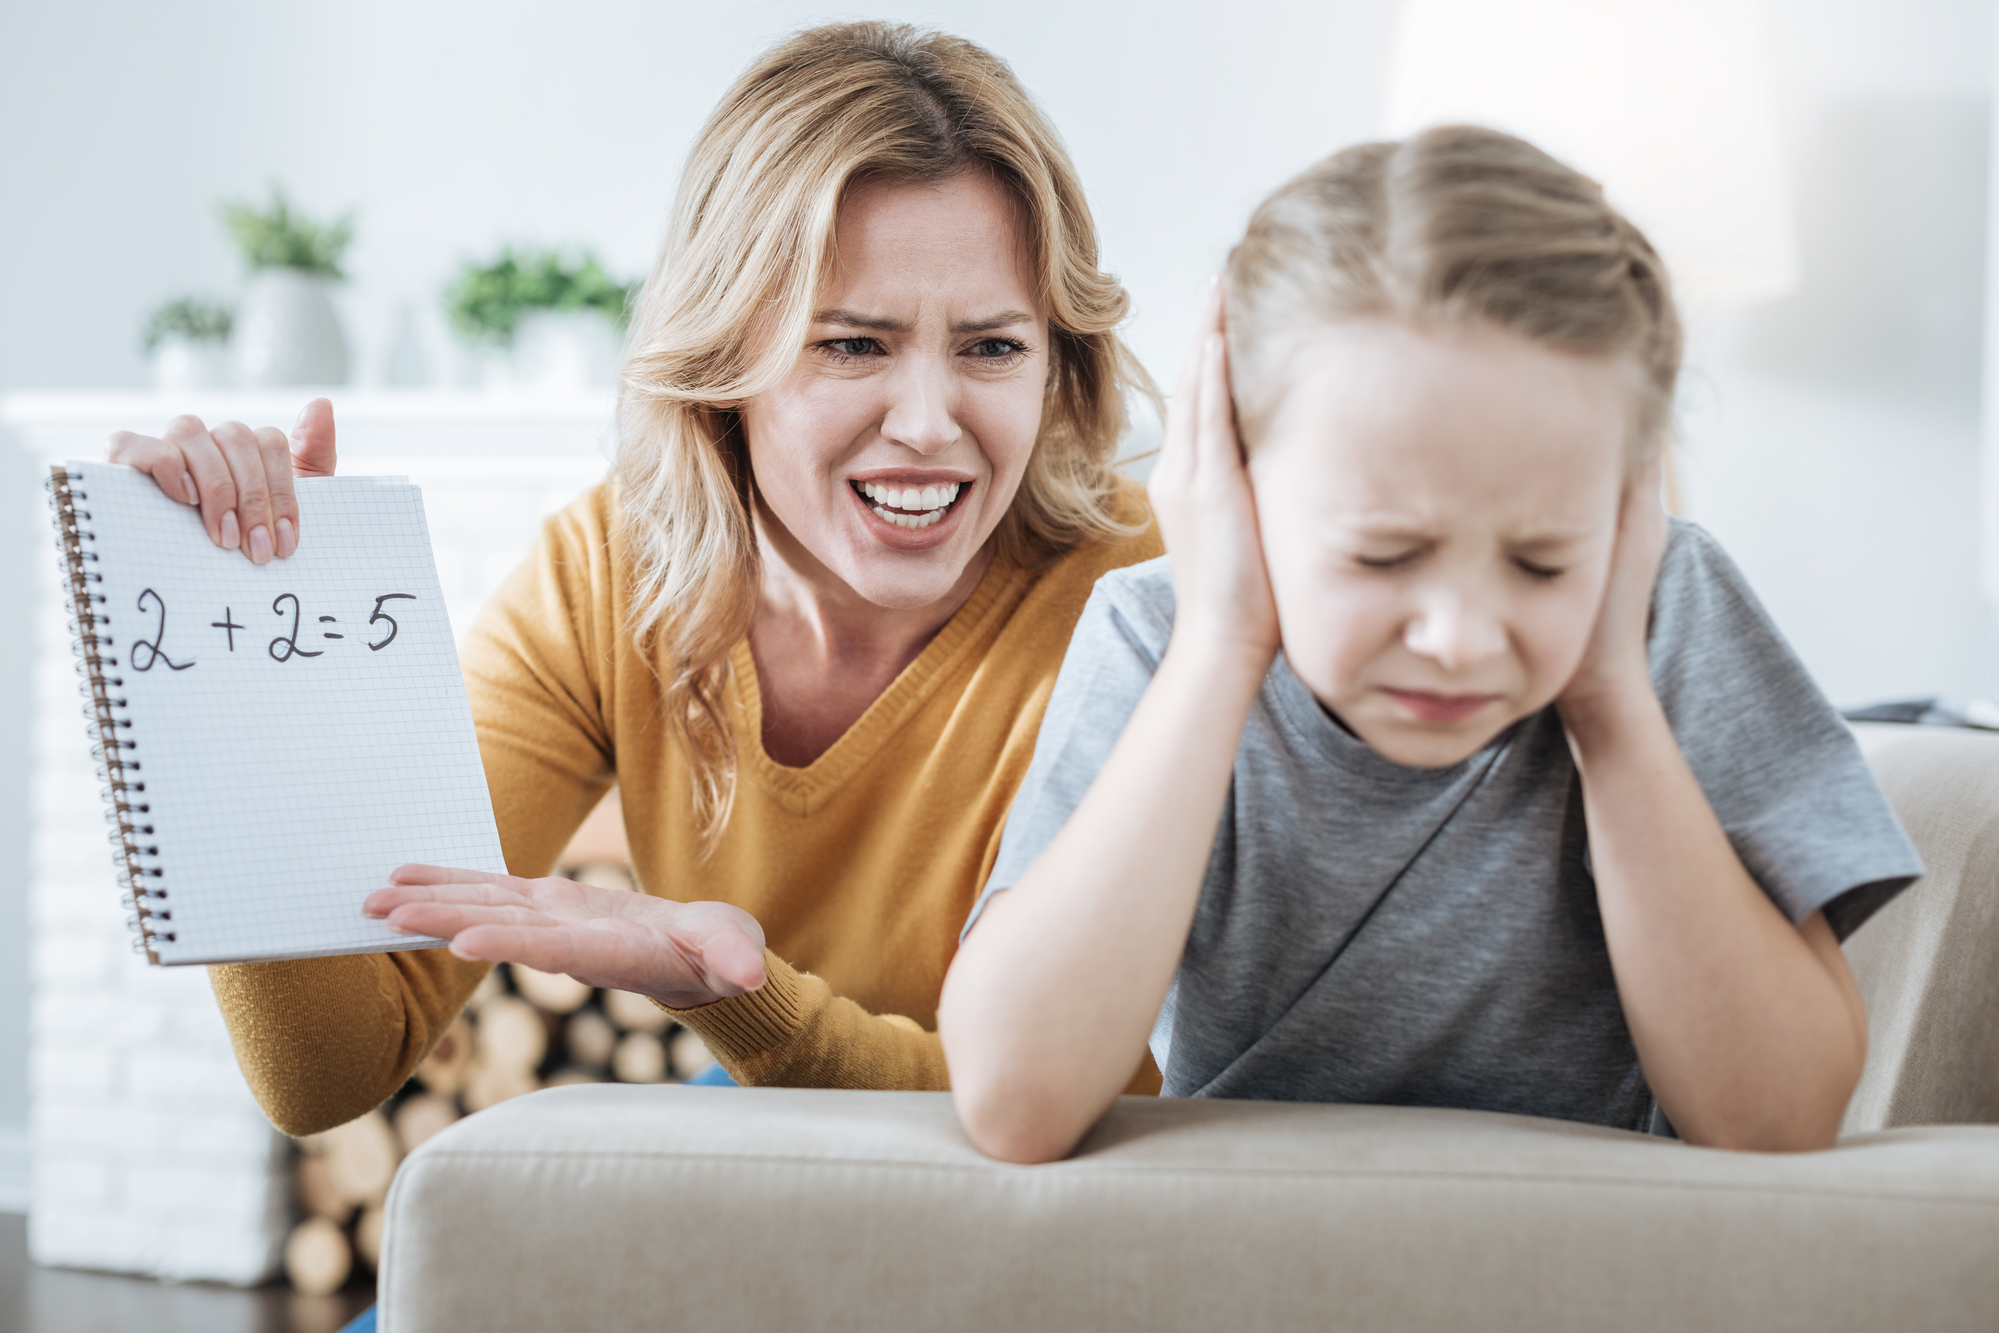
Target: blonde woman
point(808, 627)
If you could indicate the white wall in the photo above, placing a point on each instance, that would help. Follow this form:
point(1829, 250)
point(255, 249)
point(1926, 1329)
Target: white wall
point(1832, 438)
point(451, 133)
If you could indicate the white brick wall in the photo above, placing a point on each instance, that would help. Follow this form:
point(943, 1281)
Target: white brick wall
point(148, 1153)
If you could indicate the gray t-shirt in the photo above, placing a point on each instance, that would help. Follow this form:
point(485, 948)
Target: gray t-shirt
point(1430, 937)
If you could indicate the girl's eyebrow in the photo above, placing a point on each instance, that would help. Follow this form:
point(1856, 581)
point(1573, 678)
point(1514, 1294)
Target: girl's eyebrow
point(1549, 538)
point(1385, 525)
point(1393, 527)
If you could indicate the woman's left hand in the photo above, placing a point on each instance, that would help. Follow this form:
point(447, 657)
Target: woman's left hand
point(1616, 660)
point(682, 954)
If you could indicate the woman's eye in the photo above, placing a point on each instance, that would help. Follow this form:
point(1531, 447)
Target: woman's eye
point(995, 349)
point(1541, 573)
point(852, 347)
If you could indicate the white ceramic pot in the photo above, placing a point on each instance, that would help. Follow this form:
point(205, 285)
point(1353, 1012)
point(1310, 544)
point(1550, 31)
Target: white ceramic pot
point(287, 332)
point(565, 351)
point(184, 364)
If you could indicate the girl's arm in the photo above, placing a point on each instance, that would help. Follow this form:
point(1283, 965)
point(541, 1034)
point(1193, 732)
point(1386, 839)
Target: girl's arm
point(794, 1032)
point(1047, 1007)
point(1750, 1029)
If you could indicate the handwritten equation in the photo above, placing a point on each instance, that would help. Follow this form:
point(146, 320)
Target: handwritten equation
point(377, 632)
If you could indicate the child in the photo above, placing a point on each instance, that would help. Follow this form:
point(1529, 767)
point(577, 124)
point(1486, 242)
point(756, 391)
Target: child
point(1535, 811)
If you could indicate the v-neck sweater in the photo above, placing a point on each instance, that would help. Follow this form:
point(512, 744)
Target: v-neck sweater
point(861, 866)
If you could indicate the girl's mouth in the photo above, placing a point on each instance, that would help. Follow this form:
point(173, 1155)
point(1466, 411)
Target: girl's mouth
point(1428, 707)
point(909, 506)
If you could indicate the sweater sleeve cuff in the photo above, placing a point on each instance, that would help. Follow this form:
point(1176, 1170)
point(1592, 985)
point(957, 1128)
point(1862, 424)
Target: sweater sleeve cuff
point(756, 1021)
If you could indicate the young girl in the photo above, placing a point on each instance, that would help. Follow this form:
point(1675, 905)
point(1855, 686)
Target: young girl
point(1534, 812)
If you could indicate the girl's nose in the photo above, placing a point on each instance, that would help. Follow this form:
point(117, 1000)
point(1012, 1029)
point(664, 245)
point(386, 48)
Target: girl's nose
point(921, 408)
point(1455, 631)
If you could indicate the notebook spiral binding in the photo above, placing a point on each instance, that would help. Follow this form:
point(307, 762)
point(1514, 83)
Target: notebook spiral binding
point(118, 768)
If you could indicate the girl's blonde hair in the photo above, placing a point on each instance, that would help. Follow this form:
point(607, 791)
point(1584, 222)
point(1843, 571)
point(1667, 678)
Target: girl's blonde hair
point(729, 304)
point(1458, 222)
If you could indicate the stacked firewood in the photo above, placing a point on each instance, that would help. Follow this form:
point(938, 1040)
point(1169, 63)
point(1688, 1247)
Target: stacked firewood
point(522, 1030)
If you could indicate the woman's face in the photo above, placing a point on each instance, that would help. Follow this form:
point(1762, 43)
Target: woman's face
point(892, 450)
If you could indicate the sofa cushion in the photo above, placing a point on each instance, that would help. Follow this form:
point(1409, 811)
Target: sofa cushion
point(610, 1208)
point(1928, 962)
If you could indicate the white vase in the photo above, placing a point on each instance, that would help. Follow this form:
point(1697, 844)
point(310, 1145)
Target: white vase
point(287, 332)
point(183, 364)
point(565, 351)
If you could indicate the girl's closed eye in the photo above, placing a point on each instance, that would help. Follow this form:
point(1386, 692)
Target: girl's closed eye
point(1537, 570)
point(1388, 561)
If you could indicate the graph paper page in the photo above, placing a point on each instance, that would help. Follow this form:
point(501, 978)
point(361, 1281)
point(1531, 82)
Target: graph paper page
point(301, 727)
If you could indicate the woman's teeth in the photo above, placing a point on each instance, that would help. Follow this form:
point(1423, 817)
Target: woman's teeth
point(912, 508)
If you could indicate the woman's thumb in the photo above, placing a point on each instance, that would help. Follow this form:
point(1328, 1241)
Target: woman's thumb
point(312, 440)
point(732, 957)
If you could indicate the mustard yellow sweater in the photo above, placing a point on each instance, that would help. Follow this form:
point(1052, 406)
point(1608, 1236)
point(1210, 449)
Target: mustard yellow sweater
point(861, 866)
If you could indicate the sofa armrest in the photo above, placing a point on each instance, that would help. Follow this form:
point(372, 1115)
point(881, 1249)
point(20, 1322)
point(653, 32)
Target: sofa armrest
point(1928, 962)
point(615, 1208)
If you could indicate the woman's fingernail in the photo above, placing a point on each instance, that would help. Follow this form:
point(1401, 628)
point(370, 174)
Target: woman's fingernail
point(187, 485)
point(232, 536)
point(260, 545)
point(287, 538)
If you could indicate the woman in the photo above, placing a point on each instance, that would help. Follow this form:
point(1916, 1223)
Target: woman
point(808, 627)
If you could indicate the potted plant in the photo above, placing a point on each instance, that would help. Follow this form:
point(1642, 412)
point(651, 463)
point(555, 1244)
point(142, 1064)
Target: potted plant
point(287, 331)
point(188, 340)
point(560, 315)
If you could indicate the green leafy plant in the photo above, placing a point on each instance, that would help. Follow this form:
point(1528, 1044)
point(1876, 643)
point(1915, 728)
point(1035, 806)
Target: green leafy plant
point(487, 301)
point(191, 318)
point(276, 237)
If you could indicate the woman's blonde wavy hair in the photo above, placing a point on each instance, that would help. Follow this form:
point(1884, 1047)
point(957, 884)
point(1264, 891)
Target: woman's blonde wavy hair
point(729, 304)
point(1458, 222)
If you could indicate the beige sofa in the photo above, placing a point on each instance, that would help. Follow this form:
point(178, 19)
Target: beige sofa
point(613, 1208)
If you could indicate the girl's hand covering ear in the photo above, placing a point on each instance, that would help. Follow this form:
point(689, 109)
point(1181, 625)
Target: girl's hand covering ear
point(1207, 513)
point(682, 954)
point(1616, 659)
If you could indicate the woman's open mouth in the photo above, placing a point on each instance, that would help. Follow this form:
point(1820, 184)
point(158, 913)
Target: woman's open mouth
point(909, 506)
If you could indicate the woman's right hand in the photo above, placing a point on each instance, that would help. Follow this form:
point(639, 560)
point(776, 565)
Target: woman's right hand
point(241, 478)
point(1200, 492)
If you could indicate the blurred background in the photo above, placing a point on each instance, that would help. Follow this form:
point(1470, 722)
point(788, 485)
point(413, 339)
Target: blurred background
point(1831, 417)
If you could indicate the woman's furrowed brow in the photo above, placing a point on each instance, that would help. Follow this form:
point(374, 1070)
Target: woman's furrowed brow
point(854, 319)
point(1004, 319)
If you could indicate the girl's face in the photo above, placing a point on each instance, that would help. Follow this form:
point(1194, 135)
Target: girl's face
point(893, 449)
point(1439, 509)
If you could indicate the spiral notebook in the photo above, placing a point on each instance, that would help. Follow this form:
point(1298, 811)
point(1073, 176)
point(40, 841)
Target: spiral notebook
point(273, 740)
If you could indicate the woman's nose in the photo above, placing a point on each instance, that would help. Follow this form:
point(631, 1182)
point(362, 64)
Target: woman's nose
point(921, 412)
point(1454, 630)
